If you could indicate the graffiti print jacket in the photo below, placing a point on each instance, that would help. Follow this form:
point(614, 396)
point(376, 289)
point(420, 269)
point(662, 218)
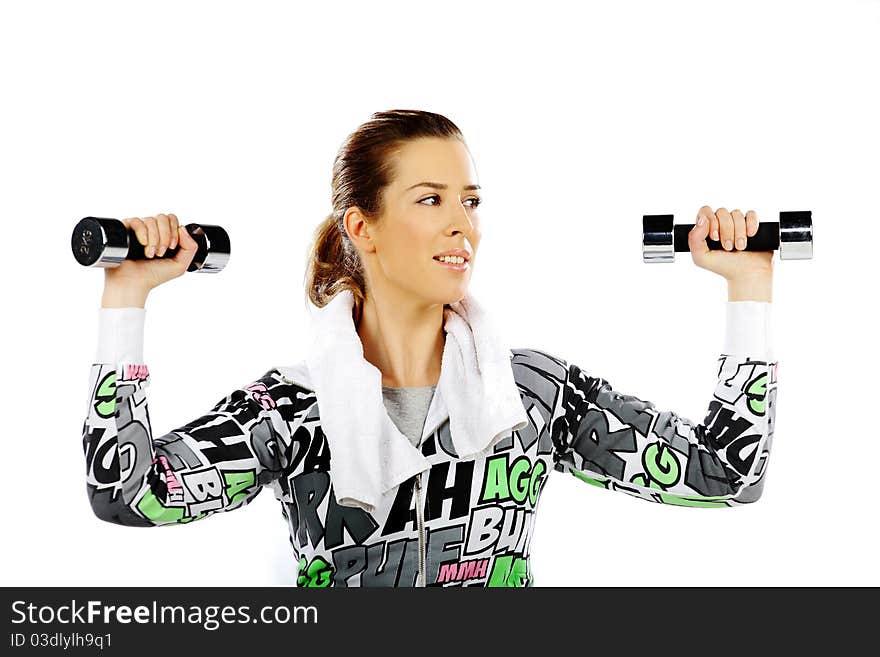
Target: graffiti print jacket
point(459, 523)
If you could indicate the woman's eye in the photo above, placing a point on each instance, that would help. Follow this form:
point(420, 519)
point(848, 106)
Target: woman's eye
point(475, 201)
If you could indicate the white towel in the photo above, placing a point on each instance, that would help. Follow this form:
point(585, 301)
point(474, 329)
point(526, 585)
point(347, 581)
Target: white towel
point(368, 454)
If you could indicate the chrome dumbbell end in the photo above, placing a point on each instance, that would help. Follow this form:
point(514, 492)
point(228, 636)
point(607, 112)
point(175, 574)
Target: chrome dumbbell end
point(796, 235)
point(99, 242)
point(657, 238)
point(214, 248)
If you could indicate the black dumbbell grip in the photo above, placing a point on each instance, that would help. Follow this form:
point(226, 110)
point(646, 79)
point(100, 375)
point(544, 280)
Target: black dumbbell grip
point(136, 249)
point(766, 239)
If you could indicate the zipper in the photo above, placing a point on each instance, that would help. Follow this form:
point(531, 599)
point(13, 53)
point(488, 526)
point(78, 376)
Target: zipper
point(421, 521)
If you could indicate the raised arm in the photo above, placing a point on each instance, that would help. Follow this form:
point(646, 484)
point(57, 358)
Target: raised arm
point(622, 443)
point(216, 462)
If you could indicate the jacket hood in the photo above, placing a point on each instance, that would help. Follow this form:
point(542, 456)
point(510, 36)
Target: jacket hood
point(369, 454)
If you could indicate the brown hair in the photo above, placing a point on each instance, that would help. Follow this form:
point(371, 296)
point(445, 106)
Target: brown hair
point(362, 169)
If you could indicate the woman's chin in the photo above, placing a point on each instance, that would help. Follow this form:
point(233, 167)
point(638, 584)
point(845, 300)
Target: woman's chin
point(446, 299)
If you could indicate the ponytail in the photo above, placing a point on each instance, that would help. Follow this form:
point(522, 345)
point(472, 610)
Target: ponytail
point(334, 266)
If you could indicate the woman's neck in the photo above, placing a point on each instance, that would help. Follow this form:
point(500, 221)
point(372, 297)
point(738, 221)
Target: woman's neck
point(403, 339)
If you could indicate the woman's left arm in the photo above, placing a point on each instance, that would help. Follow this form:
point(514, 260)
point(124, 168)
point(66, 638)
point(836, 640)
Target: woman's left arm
point(620, 442)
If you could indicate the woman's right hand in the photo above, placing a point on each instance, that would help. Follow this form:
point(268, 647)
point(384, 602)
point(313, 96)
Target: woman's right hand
point(157, 234)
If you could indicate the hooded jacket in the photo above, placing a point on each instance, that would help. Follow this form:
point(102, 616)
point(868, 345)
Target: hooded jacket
point(457, 522)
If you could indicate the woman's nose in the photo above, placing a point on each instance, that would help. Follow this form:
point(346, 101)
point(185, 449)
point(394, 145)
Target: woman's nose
point(462, 220)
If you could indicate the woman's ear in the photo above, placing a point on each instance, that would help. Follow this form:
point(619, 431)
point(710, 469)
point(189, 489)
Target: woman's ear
point(357, 227)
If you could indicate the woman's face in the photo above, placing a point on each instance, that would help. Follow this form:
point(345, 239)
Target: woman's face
point(430, 208)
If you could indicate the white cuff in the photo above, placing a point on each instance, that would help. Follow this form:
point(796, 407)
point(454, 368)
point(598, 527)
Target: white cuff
point(748, 329)
point(121, 336)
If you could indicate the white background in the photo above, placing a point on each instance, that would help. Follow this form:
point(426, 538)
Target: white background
point(581, 117)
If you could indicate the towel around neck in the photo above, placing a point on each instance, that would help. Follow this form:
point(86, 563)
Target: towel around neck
point(369, 454)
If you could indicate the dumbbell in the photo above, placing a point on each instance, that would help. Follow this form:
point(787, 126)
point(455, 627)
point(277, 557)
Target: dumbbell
point(792, 235)
point(102, 242)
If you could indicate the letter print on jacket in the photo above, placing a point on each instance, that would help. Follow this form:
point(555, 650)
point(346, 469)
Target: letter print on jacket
point(467, 523)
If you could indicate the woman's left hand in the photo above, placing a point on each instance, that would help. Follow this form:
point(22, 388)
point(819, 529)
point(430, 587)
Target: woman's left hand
point(733, 263)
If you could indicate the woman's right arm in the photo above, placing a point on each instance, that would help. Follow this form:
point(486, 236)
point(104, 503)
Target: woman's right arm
point(216, 462)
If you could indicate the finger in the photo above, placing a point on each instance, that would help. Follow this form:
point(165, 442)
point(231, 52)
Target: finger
point(697, 235)
point(751, 223)
point(187, 241)
point(162, 222)
point(739, 229)
point(712, 225)
point(140, 229)
point(725, 226)
point(173, 230)
point(152, 236)
point(188, 247)
point(713, 220)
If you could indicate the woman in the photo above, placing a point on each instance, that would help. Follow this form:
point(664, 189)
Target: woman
point(439, 436)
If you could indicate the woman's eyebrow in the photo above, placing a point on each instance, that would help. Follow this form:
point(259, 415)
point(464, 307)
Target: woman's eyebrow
point(437, 185)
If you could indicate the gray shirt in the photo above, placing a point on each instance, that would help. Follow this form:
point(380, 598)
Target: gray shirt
point(408, 409)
